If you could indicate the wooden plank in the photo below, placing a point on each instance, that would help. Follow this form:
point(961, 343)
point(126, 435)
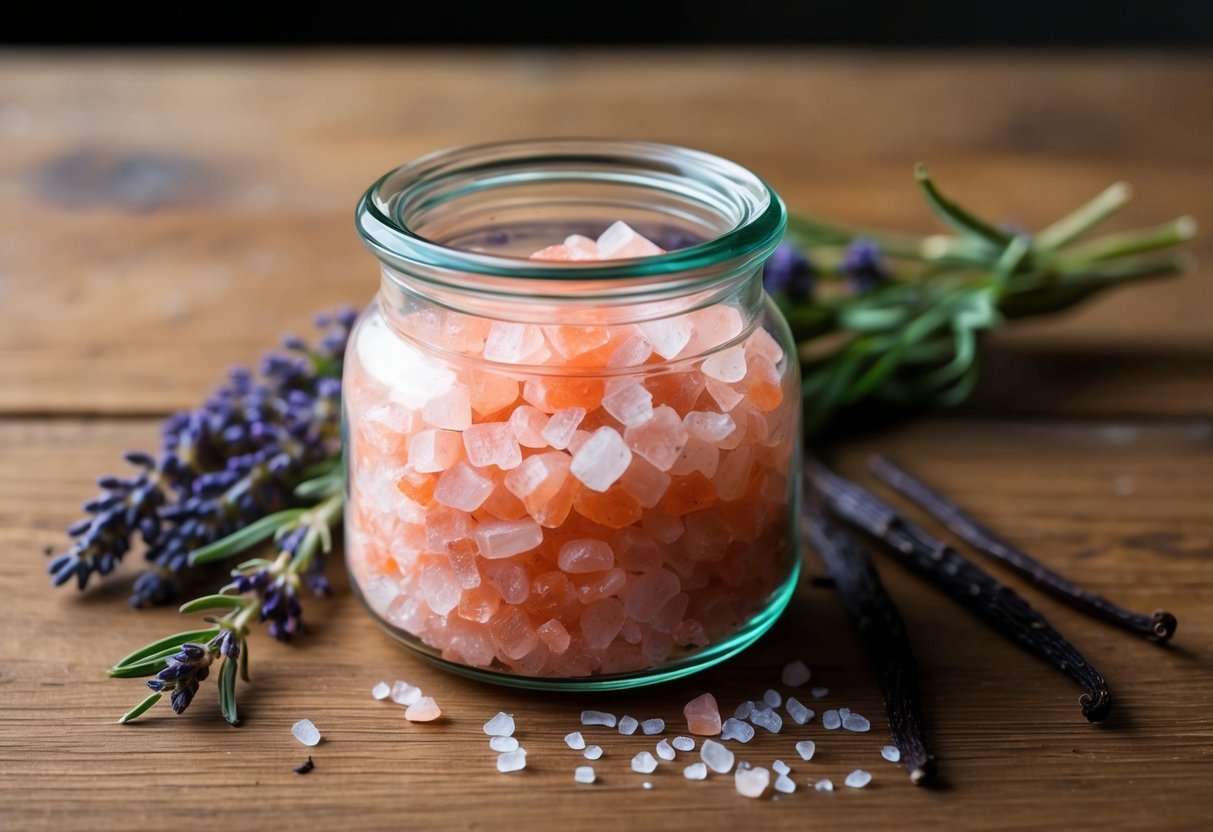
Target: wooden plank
point(155, 209)
point(1014, 750)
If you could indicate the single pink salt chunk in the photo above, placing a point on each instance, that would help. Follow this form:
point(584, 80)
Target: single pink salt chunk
point(509, 579)
point(636, 551)
point(426, 710)
point(559, 429)
point(581, 247)
point(512, 343)
point(434, 450)
point(703, 715)
point(670, 616)
point(761, 343)
point(581, 556)
point(634, 351)
point(728, 365)
point(725, 395)
point(601, 460)
point(512, 633)
point(664, 528)
point(707, 536)
point(557, 252)
point(451, 410)
point(708, 426)
point(733, 473)
point(620, 240)
point(492, 443)
point(628, 401)
point(714, 325)
point(538, 478)
point(570, 341)
point(505, 538)
point(659, 440)
point(463, 565)
point(644, 482)
point(601, 621)
point(598, 585)
point(577, 440)
point(491, 392)
point(440, 588)
point(668, 335)
point(445, 528)
point(697, 455)
point(462, 487)
point(650, 593)
point(554, 635)
point(527, 423)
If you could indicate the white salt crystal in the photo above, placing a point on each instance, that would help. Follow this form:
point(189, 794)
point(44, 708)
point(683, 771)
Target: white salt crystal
point(621, 240)
point(695, 771)
point(592, 752)
point(891, 753)
point(798, 712)
point(665, 751)
point(667, 336)
point(683, 743)
point(601, 460)
point(855, 722)
point(597, 718)
point(785, 784)
point(512, 760)
point(796, 674)
point(405, 694)
point(752, 782)
point(499, 743)
point(744, 709)
point(735, 729)
point(806, 749)
point(305, 732)
point(652, 726)
point(501, 725)
point(727, 365)
point(646, 784)
point(628, 725)
point(858, 778)
point(644, 763)
point(561, 426)
point(818, 693)
point(381, 691)
point(824, 786)
point(767, 718)
point(780, 767)
point(831, 720)
point(426, 710)
point(772, 698)
point(574, 741)
point(629, 402)
point(584, 774)
point(718, 758)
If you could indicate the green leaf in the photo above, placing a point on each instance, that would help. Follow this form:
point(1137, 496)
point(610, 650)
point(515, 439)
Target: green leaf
point(149, 666)
point(141, 708)
point(227, 691)
point(1082, 220)
point(246, 538)
point(957, 217)
point(212, 602)
point(169, 641)
point(244, 660)
point(320, 487)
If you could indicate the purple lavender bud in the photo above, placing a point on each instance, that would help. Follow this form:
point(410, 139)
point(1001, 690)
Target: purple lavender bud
point(862, 267)
point(789, 273)
point(140, 459)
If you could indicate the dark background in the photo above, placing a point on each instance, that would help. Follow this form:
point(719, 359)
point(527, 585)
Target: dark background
point(915, 23)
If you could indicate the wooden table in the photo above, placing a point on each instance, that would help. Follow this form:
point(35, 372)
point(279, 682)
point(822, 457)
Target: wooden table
point(162, 216)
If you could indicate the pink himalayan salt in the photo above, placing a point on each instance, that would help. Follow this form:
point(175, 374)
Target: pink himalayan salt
point(728, 365)
point(578, 439)
point(572, 341)
point(505, 538)
point(703, 715)
point(597, 586)
point(628, 401)
point(560, 427)
point(761, 343)
point(557, 252)
point(663, 527)
point(601, 460)
point(668, 335)
point(581, 556)
point(451, 410)
point(601, 621)
point(491, 443)
point(426, 710)
point(713, 326)
point(527, 424)
point(634, 351)
point(620, 241)
point(488, 393)
point(659, 440)
point(554, 635)
point(511, 631)
point(440, 588)
point(511, 343)
point(509, 579)
point(538, 480)
point(434, 450)
point(462, 487)
point(725, 395)
point(644, 482)
point(649, 594)
point(709, 426)
point(696, 455)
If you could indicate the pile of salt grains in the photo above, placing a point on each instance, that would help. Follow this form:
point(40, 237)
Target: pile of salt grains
point(703, 718)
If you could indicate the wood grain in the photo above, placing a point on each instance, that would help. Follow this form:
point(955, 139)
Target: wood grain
point(164, 215)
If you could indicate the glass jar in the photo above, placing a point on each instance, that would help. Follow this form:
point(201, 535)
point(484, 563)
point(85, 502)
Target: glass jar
point(572, 474)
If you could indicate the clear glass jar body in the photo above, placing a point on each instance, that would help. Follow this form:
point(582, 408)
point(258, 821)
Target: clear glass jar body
point(572, 475)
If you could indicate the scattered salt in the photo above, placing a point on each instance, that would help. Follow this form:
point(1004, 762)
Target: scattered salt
point(665, 751)
point(574, 741)
point(628, 725)
point(766, 717)
point(652, 726)
point(798, 712)
point(381, 691)
point(831, 720)
point(305, 732)
point(405, 694)
point(501, 725)
point(858, 778)
point(818, 693)
point(718, 758)
point(597, 718)
point(824, 786)
point(735, 729)
point(796, 674)
point(592, 752)
point(772, 698)
point(785, 784)
point(512, 761)
point(744, 709)
point(855, 722)
point(695, 771)
point(752, 782)
point(646, 784)
point(780, 767)
point(891, 753)
point(584, 774)
point(806, 749)
point(683, 743)
point(644, 763)
point(503, 743)
point(424, 710)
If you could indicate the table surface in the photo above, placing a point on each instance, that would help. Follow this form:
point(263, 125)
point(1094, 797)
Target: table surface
point(165, 215)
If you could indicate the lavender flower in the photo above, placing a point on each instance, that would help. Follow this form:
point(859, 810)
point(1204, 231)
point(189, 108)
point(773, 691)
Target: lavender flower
point(788, 273)
point(862, 267)
point(183, 673)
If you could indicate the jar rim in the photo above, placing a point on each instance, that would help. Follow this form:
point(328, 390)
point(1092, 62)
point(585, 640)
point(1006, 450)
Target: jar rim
point(754, 234)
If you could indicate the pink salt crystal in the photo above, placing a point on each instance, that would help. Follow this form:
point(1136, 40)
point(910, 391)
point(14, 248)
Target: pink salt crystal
point(634, 351)
point(620, 241)
point(664, 527)
point(464, 333)
point(656, 647)
point(451, 410)
point(728, 365)
point(510, 580)
point(572, 341)
point(707, 536)
point(491, 392)
point(538, 478)
point(581, 556)
point(628, 401)
point(599, 585)
point(650, 593)
point(601, 460)
point(557, 252)
point(446, 527)
point(480, 604)
point(463, 567)
point(578, 439)
point(527, 423)
point(725, 395)
point(714, 325)
point(762, 343)
point(697, 455)
point(462, 487)
point(512, 633)
point(492, 443)
point(511, 343)
point(690, 633)
point(644, 482)
point(506, 538)
point(668, 335)
point(708, 426)
point(703, 715)
point(559, 429)
point(581, 247)
point(733, 473)
point(635, 551)
point(434, 450)
point(601, 621)
point(670, 616)
point(738, 434)
point(554, 635)
point(440, 588)
point(426, 710)
point(660, 440)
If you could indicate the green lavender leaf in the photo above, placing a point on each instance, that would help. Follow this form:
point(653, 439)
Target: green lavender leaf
point(320, 487)
point(1082, 220)
point(149, 666)
point(244, 660)
point(212, 602)
point(252, 534)
point(173, 641)
point(141, 708)
point(957, 217)
point(227, 691)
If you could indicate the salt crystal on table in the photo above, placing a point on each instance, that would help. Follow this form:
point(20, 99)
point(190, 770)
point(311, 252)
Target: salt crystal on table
point(381, 691)
point(628, 725)
point(646, 784)
point(620, 240)
point(644, 763)
point(703, 715)
point(584, 556)
point(824, 786)
point(718, 758)
point(765, 717)
point(695, 771)
point(501, 725)
point(652, 726)
point(601, 460)
point(592, 752)
point(561, 426)
point(512, 761)
point(426, 710)
point(305, 732)
point(752, 782)
point(584, 774)
point(574, 741)
point(665, 751)
point(819, 693)
point(806, 749)
point(780, 767)
point(785, 784)
point(405, 694)
point(891, 753)
point(735, 729)
point(629, 402)
point(855, 722)
point(772, 698)
point(798, 712)
point(744, 709)
point(858, 778)
point(503, 743)
point(831, 720)
point(796, 674)
point(684, 743)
